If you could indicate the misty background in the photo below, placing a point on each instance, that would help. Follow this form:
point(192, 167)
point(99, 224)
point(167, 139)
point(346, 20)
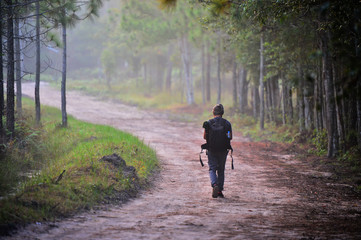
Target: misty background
point(135, 46)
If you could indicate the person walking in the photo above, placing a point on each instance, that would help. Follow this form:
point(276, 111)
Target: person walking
point(218, 134)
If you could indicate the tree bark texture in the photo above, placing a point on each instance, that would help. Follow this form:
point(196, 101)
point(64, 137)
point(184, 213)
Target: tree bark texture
point(208, 72)
point(308, 99)
point(37, 68)
point(255, 102)
point(358, 105)
point(261, 86)
point(18, 65)
point(290, 105)
point(219, 92)
point(203, 78)
point(284, 103)
point(318, 93)
point(242, 79)
point(235, 102)
point(338, 105)
point(2, 99)
point(10, 111)
point(243, 89)
point(145, 73)
point(64, 116)
point(300, 100)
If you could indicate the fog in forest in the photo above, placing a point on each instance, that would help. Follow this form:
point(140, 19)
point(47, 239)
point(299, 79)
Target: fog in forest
point(292, 64)
point(142, 49)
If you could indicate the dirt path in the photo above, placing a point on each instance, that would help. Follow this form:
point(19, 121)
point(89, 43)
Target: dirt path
point(269, 195)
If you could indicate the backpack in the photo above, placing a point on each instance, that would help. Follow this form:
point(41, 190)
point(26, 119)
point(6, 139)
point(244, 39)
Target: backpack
point(217, 139)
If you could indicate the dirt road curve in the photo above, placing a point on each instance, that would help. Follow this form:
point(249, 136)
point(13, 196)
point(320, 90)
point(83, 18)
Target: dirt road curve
point(269, 195)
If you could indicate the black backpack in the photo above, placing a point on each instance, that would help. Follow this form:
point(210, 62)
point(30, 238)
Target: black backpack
point(216, 135)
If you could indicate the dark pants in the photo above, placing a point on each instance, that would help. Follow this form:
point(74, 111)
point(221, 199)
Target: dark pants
point(217, 163)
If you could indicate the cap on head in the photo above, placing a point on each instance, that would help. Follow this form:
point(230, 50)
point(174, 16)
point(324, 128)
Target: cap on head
point(218, 110)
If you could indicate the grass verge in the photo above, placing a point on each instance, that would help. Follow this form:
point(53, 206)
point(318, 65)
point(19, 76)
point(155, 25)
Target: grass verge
point(38, 191)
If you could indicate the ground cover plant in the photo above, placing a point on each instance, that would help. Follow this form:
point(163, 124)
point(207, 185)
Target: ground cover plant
point(57, 171)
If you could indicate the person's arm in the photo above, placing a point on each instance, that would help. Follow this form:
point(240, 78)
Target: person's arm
point(205, 126)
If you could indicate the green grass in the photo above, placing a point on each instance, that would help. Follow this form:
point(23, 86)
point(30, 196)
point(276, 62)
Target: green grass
point(44, 152)
point(272, 132)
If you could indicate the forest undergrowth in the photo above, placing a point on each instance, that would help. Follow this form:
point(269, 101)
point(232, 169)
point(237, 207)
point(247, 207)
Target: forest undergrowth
point(49, 172)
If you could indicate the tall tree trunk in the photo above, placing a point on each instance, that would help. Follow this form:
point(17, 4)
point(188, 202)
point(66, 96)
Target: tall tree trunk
point(219, 92)
point(318, 99)
point(145, 74)
point(2, 99)
point(168, 81)
point(235, 83)
point(203, 80)
point(240, 88)
point(300, 100)
point(18, 64)
point(184, 46)
point(352, 124)
point(10, 113)
point(309, 102)
point(330, 100)
point(267, 100)
point(37, 68)
point(64, 116)
point(358, 94)
point(290, 104)
point(284, 102)
point(208, 74)
point(245, 90)
point(358, 105)
point(181, 83)
point(276, 95)
point(271, 99)
point(255, 102)
point(339, 117)
point(261, 86)
point(160, 73)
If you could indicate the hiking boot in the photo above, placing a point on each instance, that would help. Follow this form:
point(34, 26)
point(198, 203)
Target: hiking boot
point(215, 191)
point(220, 194)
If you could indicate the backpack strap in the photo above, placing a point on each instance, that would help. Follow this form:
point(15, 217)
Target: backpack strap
point(200, 158)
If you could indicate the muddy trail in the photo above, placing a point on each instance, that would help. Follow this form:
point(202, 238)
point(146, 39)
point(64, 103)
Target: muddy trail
point(270, 194)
